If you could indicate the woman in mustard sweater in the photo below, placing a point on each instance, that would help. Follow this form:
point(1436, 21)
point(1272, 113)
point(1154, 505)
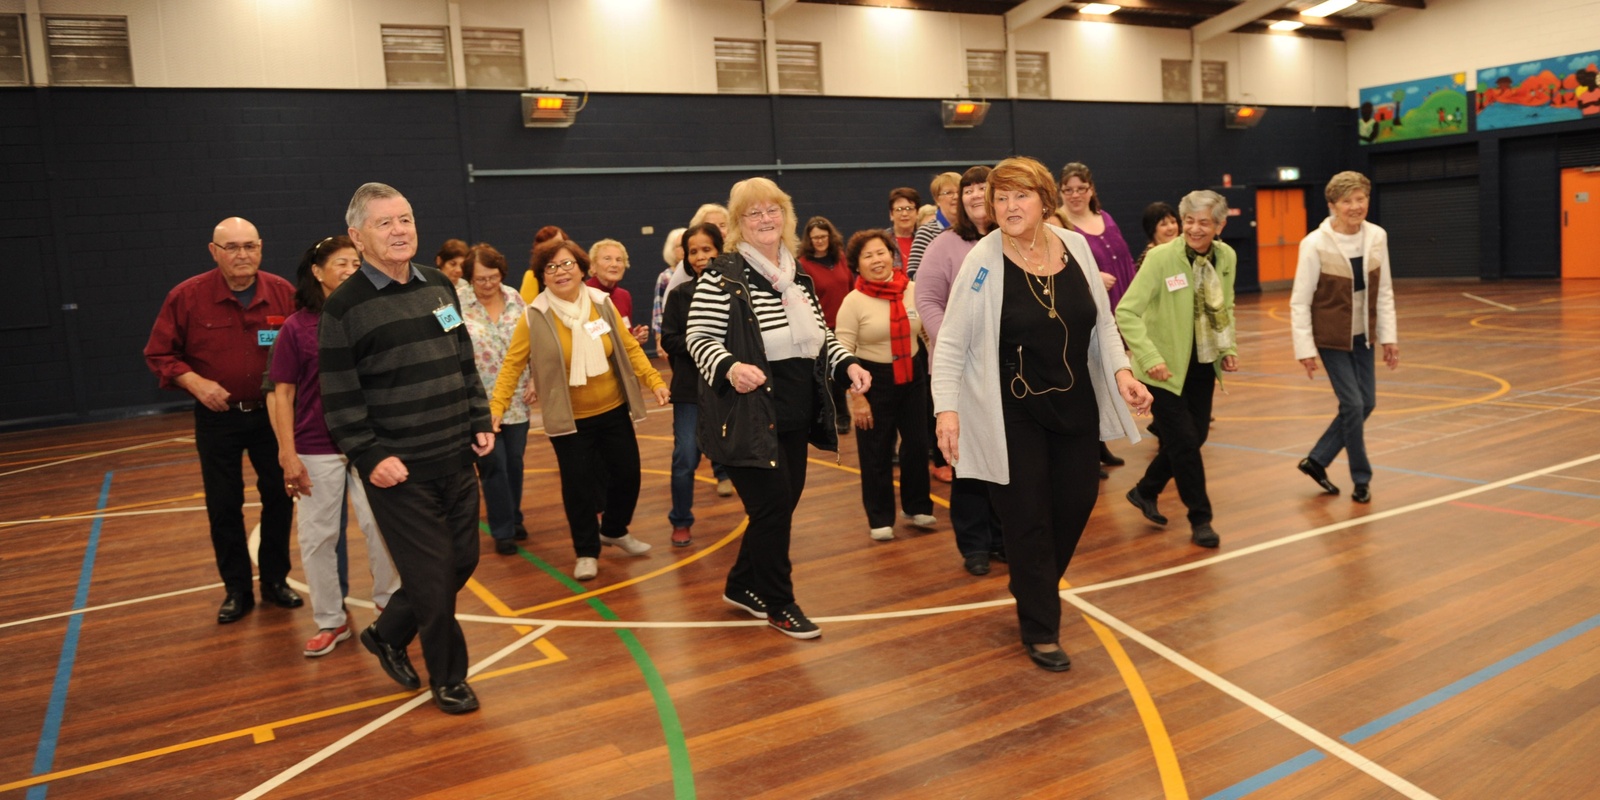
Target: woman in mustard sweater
point(587, 376)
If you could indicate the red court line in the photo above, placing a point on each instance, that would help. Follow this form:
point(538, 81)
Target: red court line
point(1498, 509)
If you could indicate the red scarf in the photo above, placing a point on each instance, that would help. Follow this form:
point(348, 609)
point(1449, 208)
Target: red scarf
point(894, 290)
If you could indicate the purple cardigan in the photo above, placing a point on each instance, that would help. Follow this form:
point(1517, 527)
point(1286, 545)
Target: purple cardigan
point(1112, 256)
point(940, 263)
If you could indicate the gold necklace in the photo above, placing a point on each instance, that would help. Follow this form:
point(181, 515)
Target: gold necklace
point(1027, 262)
point(1047, 283)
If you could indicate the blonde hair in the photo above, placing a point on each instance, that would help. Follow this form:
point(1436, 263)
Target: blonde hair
point(1021, 172)
point(747, 193)
point(706, 210)
point(926, 213)
point(594, 250)
point(944, 180)
point(1345, 183)
point(669, 249)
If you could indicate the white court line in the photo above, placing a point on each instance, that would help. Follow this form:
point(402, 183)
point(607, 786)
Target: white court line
point(92, 455)
point(91, 515)
point(1321, 740)
point(118, 604)
point(373, 726)
point(1487, 300)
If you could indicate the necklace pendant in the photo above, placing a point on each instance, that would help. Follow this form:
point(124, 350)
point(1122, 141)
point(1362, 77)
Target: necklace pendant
point(1052, 313)
point(1047, 291)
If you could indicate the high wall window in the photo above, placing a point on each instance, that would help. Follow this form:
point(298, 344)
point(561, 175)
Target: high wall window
point(986, 73)
point(741, 66)
point(1033, 75)
point(800, 67)
point(88, 51)
point(494, 58)
point(13, 51)
point(416, 56)
point(1175, 80)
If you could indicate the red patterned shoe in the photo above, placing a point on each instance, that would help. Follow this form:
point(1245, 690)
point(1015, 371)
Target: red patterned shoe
point(681, 537)
point(326, 639)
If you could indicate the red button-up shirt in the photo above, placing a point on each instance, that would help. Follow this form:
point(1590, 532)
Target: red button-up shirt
point(203, 329)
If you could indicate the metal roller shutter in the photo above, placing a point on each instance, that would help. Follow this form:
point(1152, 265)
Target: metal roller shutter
point(1433, 227)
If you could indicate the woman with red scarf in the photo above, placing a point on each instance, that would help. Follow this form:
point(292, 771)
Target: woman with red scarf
point(878, 323)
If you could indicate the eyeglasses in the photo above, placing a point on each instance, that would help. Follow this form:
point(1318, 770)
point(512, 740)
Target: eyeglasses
point(491, 276)
point(559, 266)
point(1075, 190)
point(904, 209)
point(235, 248)
point(946, 193)
point(758, 214)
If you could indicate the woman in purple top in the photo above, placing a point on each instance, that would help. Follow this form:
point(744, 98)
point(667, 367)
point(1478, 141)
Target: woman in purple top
point(314, 471)
point(1080, 211)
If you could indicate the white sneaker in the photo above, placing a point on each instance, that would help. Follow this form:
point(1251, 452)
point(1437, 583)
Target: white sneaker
point(627, 544)
point(881, 534)
point(923, 521)
point(586, 569)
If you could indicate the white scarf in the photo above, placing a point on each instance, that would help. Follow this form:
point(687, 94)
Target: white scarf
point(588, 354)
point(804, 332)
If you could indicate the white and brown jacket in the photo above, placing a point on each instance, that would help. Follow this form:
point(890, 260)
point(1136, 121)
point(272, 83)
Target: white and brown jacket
point(1322, 304)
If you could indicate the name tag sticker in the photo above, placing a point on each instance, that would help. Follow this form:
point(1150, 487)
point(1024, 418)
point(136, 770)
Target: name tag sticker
point(448, 317)
point(597, 328)
point(983, 275)
point(1176, 282)
point(266, 338)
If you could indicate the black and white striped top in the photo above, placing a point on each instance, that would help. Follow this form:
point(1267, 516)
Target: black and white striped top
point(709, 311)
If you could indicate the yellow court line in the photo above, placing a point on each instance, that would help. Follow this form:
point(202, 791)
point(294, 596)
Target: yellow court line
point(1443, 404)
point(1478, 322)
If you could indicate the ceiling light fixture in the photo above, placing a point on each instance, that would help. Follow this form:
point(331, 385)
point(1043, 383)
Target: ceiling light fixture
point(1100, 9)
point(1327, 9)
point(1287, 25)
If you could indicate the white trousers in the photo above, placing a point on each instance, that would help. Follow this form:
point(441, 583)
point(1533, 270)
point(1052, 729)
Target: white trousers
point(333, 480)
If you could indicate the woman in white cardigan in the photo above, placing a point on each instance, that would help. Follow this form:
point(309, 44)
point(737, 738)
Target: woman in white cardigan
point(1028, 378)
point(1343, 268)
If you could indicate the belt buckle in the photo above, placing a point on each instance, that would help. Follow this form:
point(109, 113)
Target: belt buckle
point(247, 406)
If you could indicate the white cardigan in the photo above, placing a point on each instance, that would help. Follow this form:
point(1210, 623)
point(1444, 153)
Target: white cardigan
point(966, 364)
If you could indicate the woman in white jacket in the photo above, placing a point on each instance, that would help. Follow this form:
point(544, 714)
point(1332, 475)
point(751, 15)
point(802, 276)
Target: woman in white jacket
point(1344, 266)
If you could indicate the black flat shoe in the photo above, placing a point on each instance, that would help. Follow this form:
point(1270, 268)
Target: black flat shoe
point(997, 555)
point(519, 533)
point(505, 547)
point(978, 563)
point(1108, 458)
point(1203, 536)
point(1146, 506)
point(1362, 494)
point(281, 595)
point(457, 698)
point(234, 607)
point(1054, 661)
point(1318, 474)
point(1103, 474)
point(394, 660)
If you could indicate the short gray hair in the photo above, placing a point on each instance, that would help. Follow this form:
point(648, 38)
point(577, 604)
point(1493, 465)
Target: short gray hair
point(1204, 200)
point(355, 215)
point(1345, 183)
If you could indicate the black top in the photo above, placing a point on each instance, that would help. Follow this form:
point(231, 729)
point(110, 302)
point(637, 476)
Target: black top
point(1045, 359)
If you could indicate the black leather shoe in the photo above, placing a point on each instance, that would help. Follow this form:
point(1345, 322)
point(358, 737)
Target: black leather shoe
point(235, 606)
point(1362, 494)
point(394, 660)
point(1108, 458)
point(1319, 474)
point(1204, 536)
point(281, 595)
point(505, 547)
point(997, 555)
point(1146, 506)
point(1054, 661)
point(519, 533)
point(977, 563)
point(457, 698)
point(1103, 474)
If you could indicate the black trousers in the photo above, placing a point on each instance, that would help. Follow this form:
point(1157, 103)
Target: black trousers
point(769, 497)
point(223, 438)
point(896, 409)
point(431, 528)
point(1055, 480)
point(1185, 422)
point(972, 516)
point(599, 475)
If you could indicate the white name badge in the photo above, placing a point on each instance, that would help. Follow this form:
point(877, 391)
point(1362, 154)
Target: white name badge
point(448, 318)
point(597, 328)
point(1176, 282)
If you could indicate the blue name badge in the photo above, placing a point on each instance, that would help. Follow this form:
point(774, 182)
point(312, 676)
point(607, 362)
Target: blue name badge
point(448, 317)
point(266, 338)
point(983, 275)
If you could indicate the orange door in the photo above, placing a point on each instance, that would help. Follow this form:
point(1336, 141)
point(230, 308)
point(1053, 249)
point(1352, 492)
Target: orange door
point(1580, 223)
point(1280, 225)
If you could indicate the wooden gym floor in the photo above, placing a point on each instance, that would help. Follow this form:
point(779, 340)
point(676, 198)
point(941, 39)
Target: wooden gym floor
point(1437, 643)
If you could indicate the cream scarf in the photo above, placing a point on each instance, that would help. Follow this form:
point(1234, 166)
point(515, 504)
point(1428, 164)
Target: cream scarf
point(1213, 324)
point(588, 353)
point(806, 336)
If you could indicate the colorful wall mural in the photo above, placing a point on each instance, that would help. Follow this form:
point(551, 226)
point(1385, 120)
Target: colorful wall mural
point(1538, 92)
point(1413, 110)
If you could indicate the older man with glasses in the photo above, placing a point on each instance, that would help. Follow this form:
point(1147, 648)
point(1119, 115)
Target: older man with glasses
point(211, 339)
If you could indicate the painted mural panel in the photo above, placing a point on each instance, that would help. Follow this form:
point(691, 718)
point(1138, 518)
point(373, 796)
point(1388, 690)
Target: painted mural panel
point(1414, 109)
point(1555, 89)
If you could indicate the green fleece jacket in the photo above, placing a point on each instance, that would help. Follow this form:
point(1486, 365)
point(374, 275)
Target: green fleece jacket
point(1156, 314)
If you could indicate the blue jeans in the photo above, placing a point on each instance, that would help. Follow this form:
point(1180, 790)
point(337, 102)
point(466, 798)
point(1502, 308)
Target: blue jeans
point(501, 474)
point(1354, 382)
point(685, 460)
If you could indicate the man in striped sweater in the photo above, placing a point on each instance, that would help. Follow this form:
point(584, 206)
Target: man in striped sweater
point(402, 399)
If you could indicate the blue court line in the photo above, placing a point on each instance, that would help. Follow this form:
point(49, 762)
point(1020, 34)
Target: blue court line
point(1399, 715)
point(45, 757)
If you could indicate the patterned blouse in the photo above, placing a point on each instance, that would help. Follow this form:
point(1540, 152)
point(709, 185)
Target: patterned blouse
point(491, 339)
